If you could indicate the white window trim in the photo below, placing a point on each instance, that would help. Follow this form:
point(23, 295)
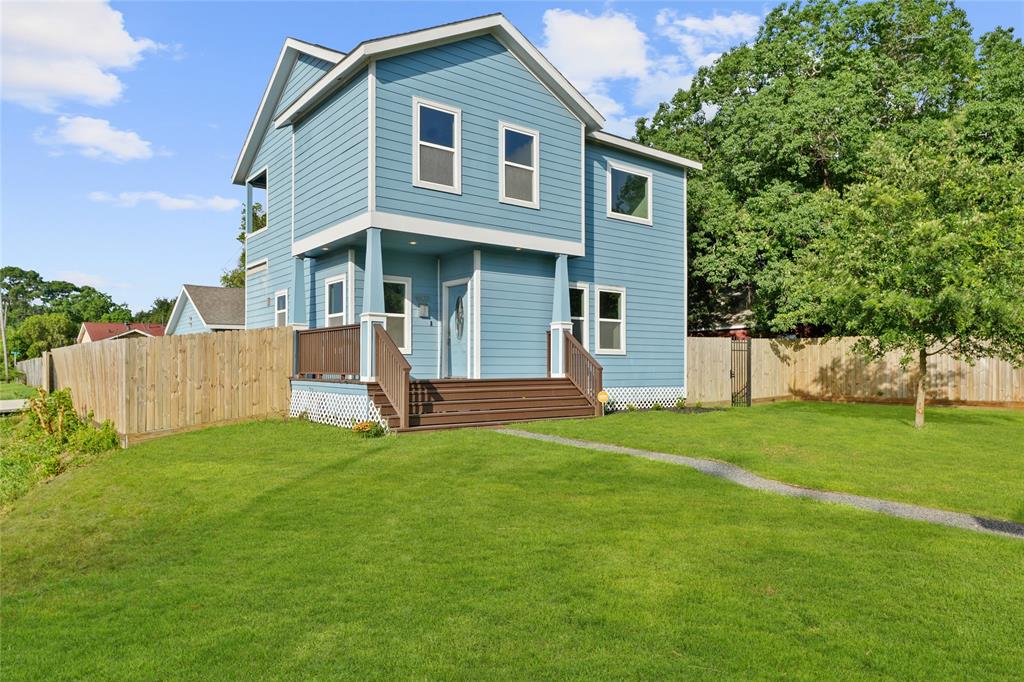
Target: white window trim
point(344, 299)
point(417, 102)
point(407, 281)
point(266, 206)
point(586, 311)
point(597, 315)
point(278, 294)
point(502, 127)
point(649, 220)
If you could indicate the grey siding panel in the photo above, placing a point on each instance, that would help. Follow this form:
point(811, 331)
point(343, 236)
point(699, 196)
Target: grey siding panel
point(648, 261)
point(489, 85)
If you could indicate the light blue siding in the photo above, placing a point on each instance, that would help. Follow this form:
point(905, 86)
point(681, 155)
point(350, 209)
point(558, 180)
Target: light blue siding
point(331, 160)
point(274, 241)
point(648, 260)
point(306, 71)
point(516, 296)
point(189, 321)
point(489, 85)
point(329, 387)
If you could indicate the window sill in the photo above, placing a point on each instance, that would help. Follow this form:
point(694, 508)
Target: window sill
point(610, 352)
point(437, 188)
point(519, 202)
point(630, 219)
point(250, 235)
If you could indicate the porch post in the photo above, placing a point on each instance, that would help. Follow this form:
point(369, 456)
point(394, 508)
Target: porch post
point(373, 304)
point(561, 320)
point(298, 302)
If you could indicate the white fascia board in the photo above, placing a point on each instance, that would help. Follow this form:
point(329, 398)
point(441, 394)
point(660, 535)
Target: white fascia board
point(435, 228)
point(217, 327)
point(630, 146)
point(497, 25)
point(285, 60)
point(176, 311)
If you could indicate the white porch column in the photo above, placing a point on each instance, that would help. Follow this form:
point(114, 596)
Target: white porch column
point(373, 304)
point(561, 320)
point(298, 302)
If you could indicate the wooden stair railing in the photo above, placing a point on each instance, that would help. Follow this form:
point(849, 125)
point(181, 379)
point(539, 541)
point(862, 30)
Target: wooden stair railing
point(392, 373)
point(328, 351)
point(583, 371)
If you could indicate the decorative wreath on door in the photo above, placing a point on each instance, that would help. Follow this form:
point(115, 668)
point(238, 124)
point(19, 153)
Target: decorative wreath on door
point(460, 318)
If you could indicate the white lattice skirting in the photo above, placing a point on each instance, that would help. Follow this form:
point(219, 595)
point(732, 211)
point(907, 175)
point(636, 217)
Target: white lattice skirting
point(643, 397)
point(334, 409)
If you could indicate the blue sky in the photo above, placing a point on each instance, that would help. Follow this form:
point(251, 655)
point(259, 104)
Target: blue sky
point(121, 122)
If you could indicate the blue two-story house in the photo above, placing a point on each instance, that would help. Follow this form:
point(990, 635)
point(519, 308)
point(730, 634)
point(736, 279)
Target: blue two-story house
point(455, 237)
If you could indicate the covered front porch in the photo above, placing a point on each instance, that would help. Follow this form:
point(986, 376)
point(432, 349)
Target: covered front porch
point(426, 332)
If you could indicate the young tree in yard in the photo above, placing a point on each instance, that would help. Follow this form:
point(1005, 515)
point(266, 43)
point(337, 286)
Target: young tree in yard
point(235, 277)
point(38, 333)
point(924, 257)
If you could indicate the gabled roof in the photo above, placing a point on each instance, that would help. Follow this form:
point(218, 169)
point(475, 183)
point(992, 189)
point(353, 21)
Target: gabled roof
point(99, 331)
point(217, 307)
point(493, 24)
point(622, 143)
point(289, 53)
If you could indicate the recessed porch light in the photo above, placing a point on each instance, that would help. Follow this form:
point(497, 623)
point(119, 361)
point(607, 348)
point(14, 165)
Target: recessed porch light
point(324, 248)
point(412, 243)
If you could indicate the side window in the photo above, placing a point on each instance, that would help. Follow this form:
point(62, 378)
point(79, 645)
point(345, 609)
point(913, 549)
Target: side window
point(436, 154)
point(334, 301)
point(630, 194)
point(519, 156)
point(281, 308)
point(578, 313)
point(257, 196)
point(398, 311)
point(611, 320)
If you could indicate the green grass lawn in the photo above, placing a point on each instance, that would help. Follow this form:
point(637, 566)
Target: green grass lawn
point(12, 391)
point(969, 460)
point(288, 550)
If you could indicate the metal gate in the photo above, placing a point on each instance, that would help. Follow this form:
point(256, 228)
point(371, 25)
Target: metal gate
point(740, 373)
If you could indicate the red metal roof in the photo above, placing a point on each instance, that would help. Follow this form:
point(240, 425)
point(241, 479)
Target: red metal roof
point(105, 330)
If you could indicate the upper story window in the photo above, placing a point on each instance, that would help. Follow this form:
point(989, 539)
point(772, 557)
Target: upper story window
point(257, 199)
point(335, 301)
point(611, 320)
point(519, 154)
point(398, 311)
point(630, 193)
point(436, 153)
point(281, 308)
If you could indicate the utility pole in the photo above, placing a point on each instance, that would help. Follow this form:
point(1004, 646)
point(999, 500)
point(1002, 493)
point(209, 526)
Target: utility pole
point(3, 335)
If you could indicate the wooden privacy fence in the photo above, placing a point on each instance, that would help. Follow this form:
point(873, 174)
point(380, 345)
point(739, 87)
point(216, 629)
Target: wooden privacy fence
point(813, 369)
point(177, 382)
point(33, 371)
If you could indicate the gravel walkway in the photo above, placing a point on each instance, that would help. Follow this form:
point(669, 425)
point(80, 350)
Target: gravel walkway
point(731, 472)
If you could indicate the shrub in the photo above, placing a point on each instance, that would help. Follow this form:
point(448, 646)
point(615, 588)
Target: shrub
point(369, 429)
point(630, 407)
point(657, 407)
point(699, 405)
point(681, 403)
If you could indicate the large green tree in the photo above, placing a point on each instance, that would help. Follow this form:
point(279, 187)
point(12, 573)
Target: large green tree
point(158, 313)
point(784, 125)
point(38, 333)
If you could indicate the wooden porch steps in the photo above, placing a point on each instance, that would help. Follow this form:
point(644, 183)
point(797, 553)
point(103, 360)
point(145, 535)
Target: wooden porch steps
point(455, 403)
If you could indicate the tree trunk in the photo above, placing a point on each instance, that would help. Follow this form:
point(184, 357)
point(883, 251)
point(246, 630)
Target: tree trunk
point(922, 369)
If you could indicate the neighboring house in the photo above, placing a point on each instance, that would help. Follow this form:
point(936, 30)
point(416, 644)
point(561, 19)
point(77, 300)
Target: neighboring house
point(450, 186)
point(207, 309)
point(101, 331)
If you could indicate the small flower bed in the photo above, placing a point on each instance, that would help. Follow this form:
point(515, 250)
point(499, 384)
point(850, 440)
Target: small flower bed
point(369, 429)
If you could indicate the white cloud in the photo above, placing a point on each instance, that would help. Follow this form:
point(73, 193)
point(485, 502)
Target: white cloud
point(703, 40)
point(96, 139)
point(165, 202)
point(59, 51)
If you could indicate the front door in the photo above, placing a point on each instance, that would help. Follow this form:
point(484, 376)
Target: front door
point(456, 305)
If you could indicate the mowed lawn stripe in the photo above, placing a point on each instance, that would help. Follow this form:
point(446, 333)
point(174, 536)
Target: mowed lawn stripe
point(285, 550)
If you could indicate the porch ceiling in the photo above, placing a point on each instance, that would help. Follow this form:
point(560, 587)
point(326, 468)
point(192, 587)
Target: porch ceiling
point(394, 240)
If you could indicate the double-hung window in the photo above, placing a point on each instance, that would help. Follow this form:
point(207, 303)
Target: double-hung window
point(281, 308)
point(611, 320)
point(578, 313)
point(398, 311)
point(334, 301)
point(519, 157)
point(630, 194)
point(436, 152)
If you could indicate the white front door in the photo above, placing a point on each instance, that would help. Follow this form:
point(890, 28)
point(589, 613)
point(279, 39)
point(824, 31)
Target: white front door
point(455, 334)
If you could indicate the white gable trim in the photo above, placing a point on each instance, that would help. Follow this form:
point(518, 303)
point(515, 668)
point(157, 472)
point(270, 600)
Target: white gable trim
point(636, 148)
point(285, 60)
point(495, 24)
point(179, 306)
